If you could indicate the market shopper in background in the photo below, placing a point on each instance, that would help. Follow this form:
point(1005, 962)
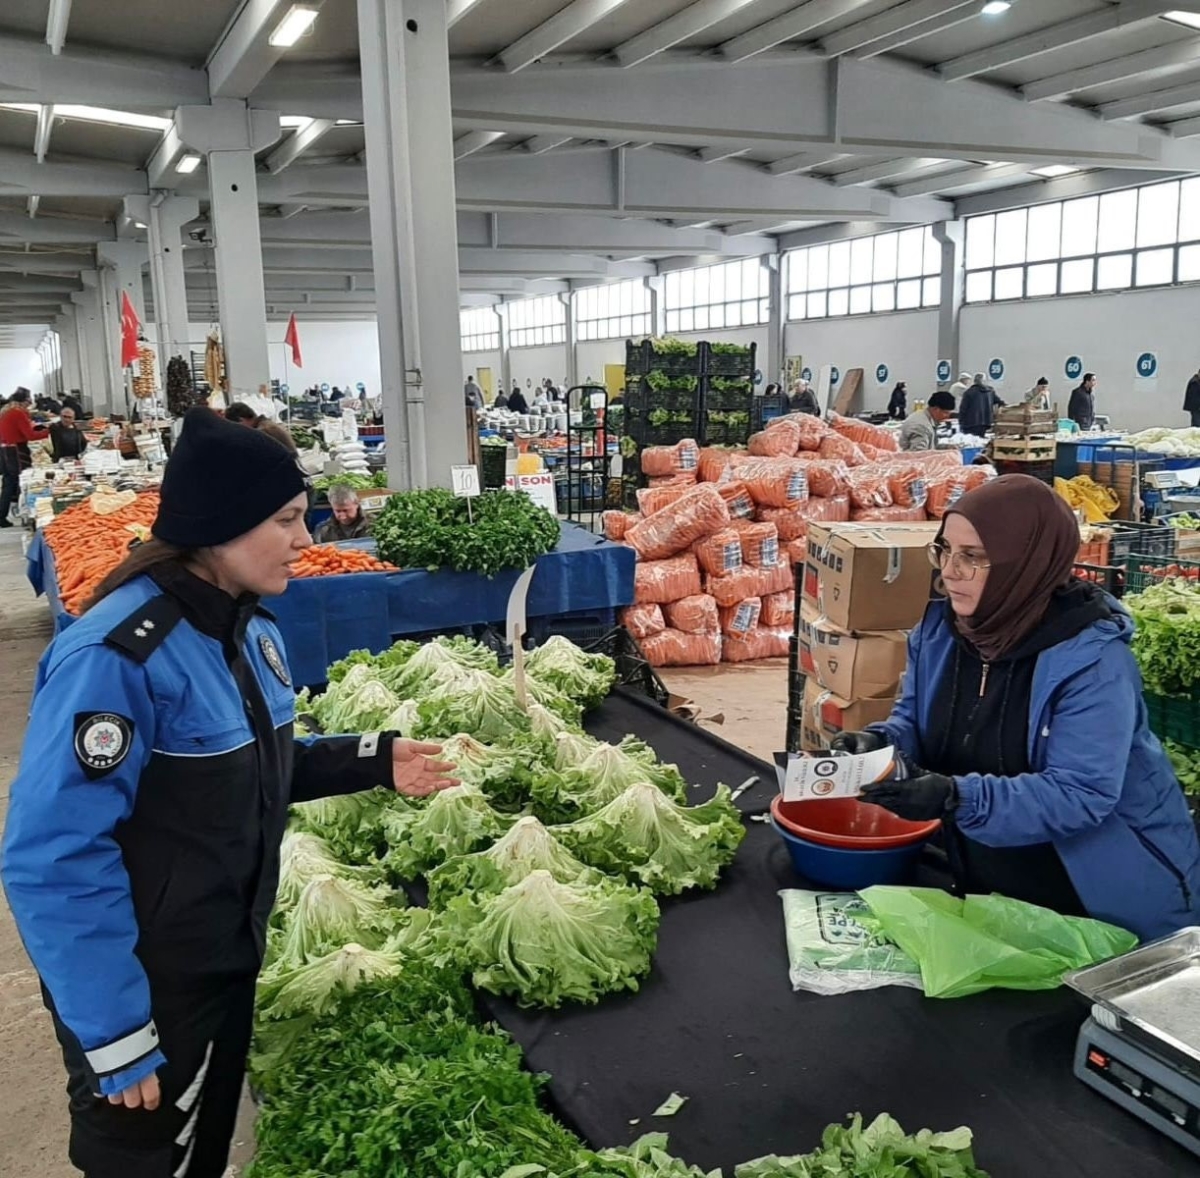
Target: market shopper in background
point(66, 438)
point(501, 401)
point(1038, 397)
point(473, 394)
point(1191, 400)
point(141, 852)
point(16, 432)
point(897, 408)
point(347, 521)
point(241, 414)
point(804, 400)
point(977, 410)
point(920, 429)
point(1022, 725)
point(1081, 409)
point(516, 400)
point(960, 386)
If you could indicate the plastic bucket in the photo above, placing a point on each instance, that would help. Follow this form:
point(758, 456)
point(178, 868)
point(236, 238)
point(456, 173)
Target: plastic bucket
point(851, 870)
point(849, 824)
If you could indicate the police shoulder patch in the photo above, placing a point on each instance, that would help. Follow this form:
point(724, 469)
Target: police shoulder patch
point(274, 659)
point(102, 741)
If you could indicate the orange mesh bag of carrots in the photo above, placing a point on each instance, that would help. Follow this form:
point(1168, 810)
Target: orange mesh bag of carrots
point(643, 620)
point(712, 466)
point(659, 460)
point(760, 543)
point(779, 609)
point(813, 431)
point(907, 484)
point(742, 617)
point(324, 560)
point(827, 478)
point(864, 431)
point(720, 553)
point(617, 523)
point(797, 550)
point(674, 648)
point(775, 482)
point(789, 523)
point(693, 615)
point(760, 643)
point(652, 499)
point(781, 439)
point(666, 580)
point(737, 499)
point(687, 455)
point(840, 449)
point(890, 515)
point(698, 513)
point(874, 453)
point(930, 459)
point(749, 582)
point(944, 489)
point(685, 480)
point(869, 486)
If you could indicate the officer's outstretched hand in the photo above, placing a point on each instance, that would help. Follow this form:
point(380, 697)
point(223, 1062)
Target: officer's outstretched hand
point(143, 1094)
point(415, 773)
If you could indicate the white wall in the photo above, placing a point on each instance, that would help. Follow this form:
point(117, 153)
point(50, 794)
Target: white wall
point(535, 364)
point(20, 367)
point(473, 361)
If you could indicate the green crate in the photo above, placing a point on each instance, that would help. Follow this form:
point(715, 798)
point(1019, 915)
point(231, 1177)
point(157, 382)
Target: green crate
point(1143, 570)
point(1174, 718)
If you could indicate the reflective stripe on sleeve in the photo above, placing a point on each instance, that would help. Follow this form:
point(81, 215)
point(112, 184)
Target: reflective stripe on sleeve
point(368, 744)
point(115, 1057)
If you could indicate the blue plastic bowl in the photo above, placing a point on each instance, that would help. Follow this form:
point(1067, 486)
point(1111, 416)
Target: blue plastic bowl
point(834, 867)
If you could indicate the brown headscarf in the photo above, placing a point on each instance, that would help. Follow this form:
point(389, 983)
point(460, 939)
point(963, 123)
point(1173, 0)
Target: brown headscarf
point(1031, 538)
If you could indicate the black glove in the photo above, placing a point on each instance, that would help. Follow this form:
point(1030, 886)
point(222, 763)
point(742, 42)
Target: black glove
point(919, 799)
point(857, 743)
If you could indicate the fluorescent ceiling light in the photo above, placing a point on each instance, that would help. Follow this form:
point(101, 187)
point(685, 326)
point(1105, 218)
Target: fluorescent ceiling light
point(1190, 19)
point(996, 7)
point(299, 122)
point(117, 118)
point(138, 225)
point(187, 164)
point(1052, 170)
point(295, 24)
point(28, 107)
point(341, 122)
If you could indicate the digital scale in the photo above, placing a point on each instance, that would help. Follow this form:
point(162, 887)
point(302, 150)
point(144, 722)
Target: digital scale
point(1141, 1046)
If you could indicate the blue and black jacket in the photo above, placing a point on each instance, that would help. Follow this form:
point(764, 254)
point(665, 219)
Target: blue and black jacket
point(143, 834)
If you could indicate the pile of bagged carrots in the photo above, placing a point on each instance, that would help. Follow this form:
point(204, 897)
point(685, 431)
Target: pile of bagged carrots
point(324, 560)
point(87, 546)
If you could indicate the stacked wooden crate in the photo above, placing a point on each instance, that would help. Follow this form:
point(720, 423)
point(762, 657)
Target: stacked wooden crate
point(1024, 442)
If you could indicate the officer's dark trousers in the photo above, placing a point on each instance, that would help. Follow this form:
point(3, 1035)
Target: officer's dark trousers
point(204, 1030)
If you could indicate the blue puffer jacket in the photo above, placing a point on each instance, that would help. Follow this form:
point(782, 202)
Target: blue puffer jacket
point(1101, 788)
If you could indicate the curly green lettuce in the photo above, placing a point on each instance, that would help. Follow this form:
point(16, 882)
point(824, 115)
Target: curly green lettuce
point(455, 821)
point(585, 678)
point(474, 702)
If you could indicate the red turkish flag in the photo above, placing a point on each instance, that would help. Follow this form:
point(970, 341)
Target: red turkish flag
point(130, 329)
point(292, 338)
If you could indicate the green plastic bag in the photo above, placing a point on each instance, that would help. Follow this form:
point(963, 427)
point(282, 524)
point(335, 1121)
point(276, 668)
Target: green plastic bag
point(965, 946)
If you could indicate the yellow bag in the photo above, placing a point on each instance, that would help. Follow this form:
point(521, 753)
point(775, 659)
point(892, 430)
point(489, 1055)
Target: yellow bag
point(1084, 494)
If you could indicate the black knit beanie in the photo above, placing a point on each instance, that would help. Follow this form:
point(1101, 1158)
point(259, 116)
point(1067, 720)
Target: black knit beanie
point(221, 481)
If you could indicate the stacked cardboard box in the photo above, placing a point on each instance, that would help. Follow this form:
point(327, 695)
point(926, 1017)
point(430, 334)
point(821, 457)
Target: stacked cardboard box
point(865, 586)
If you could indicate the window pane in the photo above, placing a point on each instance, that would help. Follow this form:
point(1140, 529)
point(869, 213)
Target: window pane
point(749, 309)
point(1115, 272)
point(1189, 263)
point(733, 282)
point(1118, 215)
point(981, 233)
point(687, 288)
point(1158, 215)
point(933, 254)
point(1045, 226)
point(796, 307)
point(816, 305)
point(1189, 211)
point(702, 321)
point(1010, 284)
point(1042, 280)
point(933, 293)
point(798, 270)
point(672, 318)
point(1079, 226)
point(751, 269)
point(862, 254)
point(860, 300)
point(717, 285)
point(883, 297)
point(818, 267)
point(979, 286)
point(839, 264)
point(911, 259)
point(839, 302)
point(1077, 276)
point(885, 257)
point(1155, 267)
point(716, 317)
point(1010, 236)
point(687, 321)
point(908, 295)
point(702, 288)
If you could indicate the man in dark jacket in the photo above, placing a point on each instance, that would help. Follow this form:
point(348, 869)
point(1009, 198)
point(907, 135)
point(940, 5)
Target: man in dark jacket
point(976, 413)
point(1191, 399)
point(1082, 407)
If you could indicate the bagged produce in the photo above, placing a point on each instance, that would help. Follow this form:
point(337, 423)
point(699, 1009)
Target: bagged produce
point(874, 453)
point(687, 455)
point(698, 513)
point(759, 643)
point(693, 615)
point(749, 582)
point(617, 523)
point(673, 648)
point(792, 522)
point(779, 609)
point(813, 431)
point(947, 486)
point(643, 620)
point(652, 499)
point(929, 459)
point(797, 550)
point(775, 482)
point(740, 618)
point(684, 479)
point(908, 485)
point(713, 464)
point(864, 431)
point(869, 486)
point(760, 543)
point(891, 515)
point(720, 553)
point(827, 479)
point(781, 439)
point(842, 450)
point(669, 460)
point(737, 499)
point(666, 580)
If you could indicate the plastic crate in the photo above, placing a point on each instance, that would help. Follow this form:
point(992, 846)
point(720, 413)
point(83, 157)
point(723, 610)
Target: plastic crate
point(582, 628)
point(1148, 539)
point(1174, 718)
point(1109, 577)
point(1094, 552)
point(1037, 470)
point(643, 357)
point(1143, 570)
point(730, 364)
point(632, 668)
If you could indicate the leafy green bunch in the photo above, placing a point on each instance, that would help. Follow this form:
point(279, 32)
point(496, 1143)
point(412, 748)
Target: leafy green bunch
point(1166, 643)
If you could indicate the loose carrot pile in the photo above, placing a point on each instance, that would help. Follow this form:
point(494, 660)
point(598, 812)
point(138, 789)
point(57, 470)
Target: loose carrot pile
point(324, 560)
point(88, 546)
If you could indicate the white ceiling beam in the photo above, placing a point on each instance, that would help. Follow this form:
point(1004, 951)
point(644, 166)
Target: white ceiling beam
point(1117, 69)
point(895, 21)
point(540, 144)
point(57, 19)
point(41, 136)
point(1155, 100)
point(790, 26)
point(569, 22)
point(21, 175)
point(1057, 36)
point(1039, 191)
point(296, 144)
point(32, 205)
point(244, 55)
point(1184, 128)
point(160, 171)
point(802, 161)
point(952, 181)
point(474, 141)
point(456, 10)
point(714, 155)
point(888, 170)
point(54, 230)
point(687, 23)
point(926, 28)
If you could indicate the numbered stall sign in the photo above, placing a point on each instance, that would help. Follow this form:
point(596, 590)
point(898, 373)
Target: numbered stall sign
point(944, 372)
point(325, 387)
point(806, 374)
point(758, 376)
point(835, 374)
point(881, 374)
point(996, 370)
point(1147, 365)
point(1073, 368)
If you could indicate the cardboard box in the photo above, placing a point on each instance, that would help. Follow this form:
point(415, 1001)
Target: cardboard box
point(869, 576)
point(826, 714)
point(853, 665)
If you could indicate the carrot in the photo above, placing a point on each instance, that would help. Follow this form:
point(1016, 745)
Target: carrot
point(322, 560)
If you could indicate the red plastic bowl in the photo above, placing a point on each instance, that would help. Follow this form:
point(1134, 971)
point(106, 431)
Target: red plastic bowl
point(847, 823)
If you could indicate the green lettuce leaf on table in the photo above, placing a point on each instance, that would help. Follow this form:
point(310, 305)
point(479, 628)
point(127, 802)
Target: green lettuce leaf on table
point(548, 695)
point(331, 911)
point(455, 821)
point(304, 857)
point(474, 702)
point(350, 823)
point(361, 702)
point(1166, 642)
point(646, 836)
point(316, 986)
point(585, 678)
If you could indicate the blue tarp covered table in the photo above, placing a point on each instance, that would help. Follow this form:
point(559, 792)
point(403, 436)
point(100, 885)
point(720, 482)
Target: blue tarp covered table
point(324, 618)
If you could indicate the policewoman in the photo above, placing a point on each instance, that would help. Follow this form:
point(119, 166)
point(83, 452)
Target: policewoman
point(141, 854)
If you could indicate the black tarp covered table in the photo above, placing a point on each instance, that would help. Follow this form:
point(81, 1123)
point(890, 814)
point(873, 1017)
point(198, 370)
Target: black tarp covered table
point(765, 1069)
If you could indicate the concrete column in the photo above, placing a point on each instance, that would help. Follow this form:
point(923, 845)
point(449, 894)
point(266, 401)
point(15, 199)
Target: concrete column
point(658, 313)
point(68, 342)
point(505, 351)
point(89, 319)
point(772, 364)
point(229, 134)
point(572, 372)
point(110, 320)
point(951, 235)
point(164, 217)
point(414, 235)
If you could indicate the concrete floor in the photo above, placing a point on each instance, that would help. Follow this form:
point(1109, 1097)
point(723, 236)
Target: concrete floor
point(743, 703)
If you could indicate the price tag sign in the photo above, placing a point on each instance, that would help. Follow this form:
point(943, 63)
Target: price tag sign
point(944, 372)
point(598, 400)
point(996, 370)
point(464, 480)
point(881, 374)
point(539, 488)
point(1073, 368)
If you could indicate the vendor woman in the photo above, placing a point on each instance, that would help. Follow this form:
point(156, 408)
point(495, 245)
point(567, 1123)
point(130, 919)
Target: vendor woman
point(1022, 723)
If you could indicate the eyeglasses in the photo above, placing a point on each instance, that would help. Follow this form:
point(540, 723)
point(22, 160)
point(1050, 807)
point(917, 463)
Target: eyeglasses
point(962, 565)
